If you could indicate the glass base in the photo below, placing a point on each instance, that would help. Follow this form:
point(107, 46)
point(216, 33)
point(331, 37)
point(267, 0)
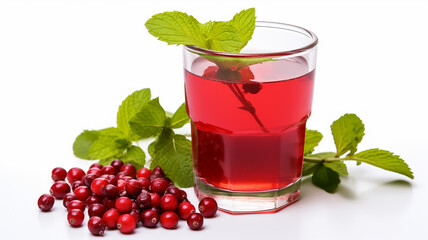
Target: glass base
point(235, 202)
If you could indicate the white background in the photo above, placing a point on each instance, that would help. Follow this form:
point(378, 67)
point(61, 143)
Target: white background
point(67, 65)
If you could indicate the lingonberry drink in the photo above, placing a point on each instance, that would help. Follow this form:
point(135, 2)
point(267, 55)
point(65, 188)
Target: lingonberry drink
point(248, 113)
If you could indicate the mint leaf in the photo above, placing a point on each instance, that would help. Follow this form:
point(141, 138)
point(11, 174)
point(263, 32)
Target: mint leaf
point(151, 148)
point(326, 179)
point(312, 139)
point(83, 143)
point(309, 168)
point(385, 160)
point(149, 121)
point(110, 143)
point(245, 23)
point(223, 37)
point(135, 156)
point(176, 28)
point(129, 107)
point(180, 118)
point(347, 132)
point(337, 166)
point(106, 161)
point(173, 153)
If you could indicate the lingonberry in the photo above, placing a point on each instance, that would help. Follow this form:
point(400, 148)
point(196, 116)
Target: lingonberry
point(207, 207)
point(185, 209)
point(75, 217)
point(45, 202)
point(95, 171)
point(144, 200)
point(59, 174)
point(97, 185)
point(136, 214)
point(68, 198)
point(117, 164)
point(109, 170)
point(159, 185)
point(144, 172)
point(96, 165)
point(126, 223)
point(110, 191)
point(158, 171)
point(88, 179)
point(59, 189)
point(75, 174)
point(110, 218)
point(123, 205)
point(156, 198)
point(149, 218)
point(96, 226)
point(133, 187)
point(108, 203)
point(169, 219)
point(76, 204)
point(169, 202)
point(176, 192)
point(77, 184)
point(93, 199)
point(82, 193)
point(144, 182)
point(195, 221)
point(96, 209)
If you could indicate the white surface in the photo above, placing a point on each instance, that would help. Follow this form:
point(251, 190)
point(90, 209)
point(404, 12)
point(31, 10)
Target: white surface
point(67, 65)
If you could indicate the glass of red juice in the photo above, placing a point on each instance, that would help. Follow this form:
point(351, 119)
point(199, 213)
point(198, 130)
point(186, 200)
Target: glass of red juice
point(248, 114)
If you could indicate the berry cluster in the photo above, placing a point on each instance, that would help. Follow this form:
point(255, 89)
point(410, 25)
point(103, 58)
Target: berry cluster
point(119, 196)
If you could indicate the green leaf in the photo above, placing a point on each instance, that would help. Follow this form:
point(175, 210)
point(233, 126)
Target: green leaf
point(83, 143)
point(385, 160)
point(223, 37)
point(129, 107)
point(245, 23)
point(151, 148)
point(337, 166)
point(135, 156)
point(312, 139)
point(176, 28)
point(309, 168)
point(180, 118)
point(173, 153)
point(347, 132)
point(326, 179)
point(149, 121)
point(107, 161)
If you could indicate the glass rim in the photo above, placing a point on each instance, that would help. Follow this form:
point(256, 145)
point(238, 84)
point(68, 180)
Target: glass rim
point(285, 26)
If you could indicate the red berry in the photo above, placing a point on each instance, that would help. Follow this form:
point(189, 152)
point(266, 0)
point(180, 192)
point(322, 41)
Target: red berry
point(109, 170)
point(95, 171)
point(185, 209)
point(252, 88)
point(158, 171)
point(149, 218)
point(136, 214)
point(210, 72)
point(208, 207)
point(68, 198)
point(126, 223)
point(59, 189)
point(144, 172)
point(75, 174)
point(144, 200)
point(75, 217)
point(169, 219)
point(158, 210)
point(169, 202)
point(176, 192)
point(82, 193)
point(96, 209)
point(96, 165)
point(45, 202)
point(156, 198)
point(123, 205)
point(246, 74)
point(111, 179)
point(144, 182)
point(93, 199)
point(117, 164)
point(76, 204)
point(59, 174)
point(88, 179)
point(108, 203)
point(76, 184)
point(133, 187)
point(110, 191)
point(129, 170)
point(121, 185)
point(110, 218)
point(159, 185)
point(96, 226)
point(97, 185)
point(195, 221)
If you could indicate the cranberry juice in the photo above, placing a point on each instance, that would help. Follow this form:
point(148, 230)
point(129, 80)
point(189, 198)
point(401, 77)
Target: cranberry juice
point(248, 133)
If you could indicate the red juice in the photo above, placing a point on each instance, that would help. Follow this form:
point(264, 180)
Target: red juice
point(249, 135)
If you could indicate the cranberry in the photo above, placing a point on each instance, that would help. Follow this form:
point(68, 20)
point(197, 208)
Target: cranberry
point(59, 174)
point(123, 194)
point(75, 174)
point(88, 179)
point(82, 193)
point(110, 218)
point(144, 200)
point(121, 185)
point(93, 199)
point(169, 219)
point(76, 184)
point(149, 218)
point(133, 187)
point(117, 164)
point(195, 221)
point(176, 192)
point(144, 172)
point(96, 209)
point(183, 194)
point(108, 203)
point(169, 202)
point(76, 204)
point(75, 217)
point(123, 205)
point(154, 176)
point(144, 182)
point(45, 202)
point(156, 198)
point(68, 198)
point(136, 214)
point(126, 223)
point(96, 226)
point(246, 74)
point(158, 210)
point(97, 185)
point(185, 209)
point(129, 170)
point(158, 171)
point(210, 72)
point(207, 207)
point(111, 179)
point(95, 171)
point(96, 165)
point(59, 189)
point(252, 88)
point(110, 191)
point(159, 185)
point(109, 170)
point(135, 206)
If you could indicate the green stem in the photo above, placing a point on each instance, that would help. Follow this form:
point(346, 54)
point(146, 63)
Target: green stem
point(321, 160)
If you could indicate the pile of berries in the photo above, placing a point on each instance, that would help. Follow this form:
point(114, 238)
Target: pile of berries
point(119, 196)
